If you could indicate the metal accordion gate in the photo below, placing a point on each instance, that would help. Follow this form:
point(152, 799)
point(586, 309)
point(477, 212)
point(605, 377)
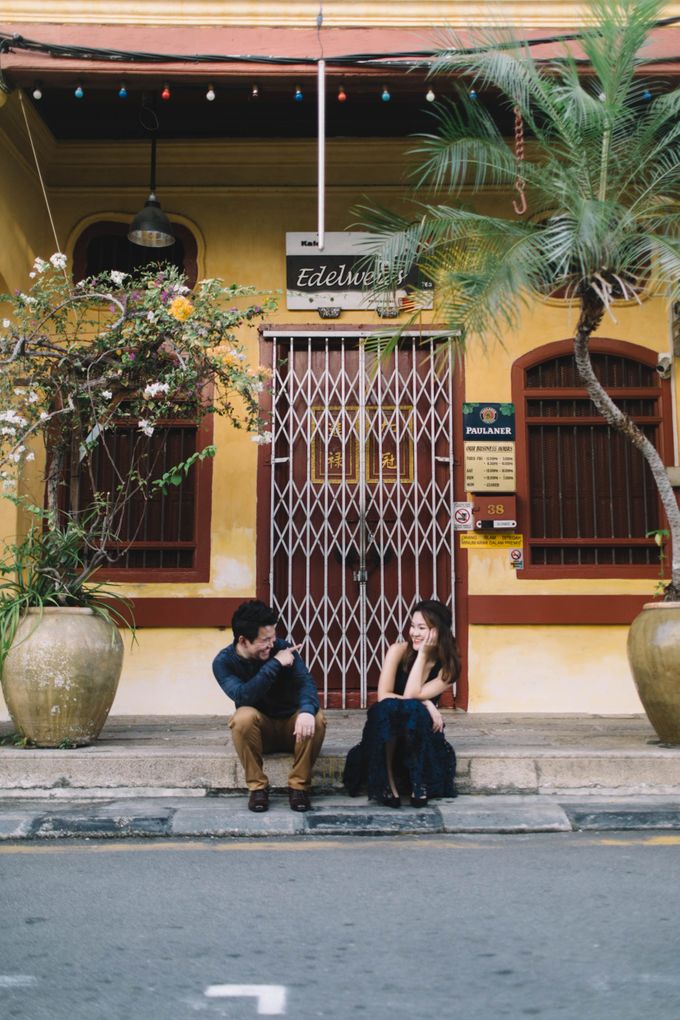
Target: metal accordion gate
point(360, 499)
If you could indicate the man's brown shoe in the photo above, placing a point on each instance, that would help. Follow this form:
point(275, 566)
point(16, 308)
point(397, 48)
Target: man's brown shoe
point(298, 800)
point(258, 800)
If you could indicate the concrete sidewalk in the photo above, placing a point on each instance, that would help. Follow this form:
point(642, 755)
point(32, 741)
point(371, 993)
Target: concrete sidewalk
point(180, 776)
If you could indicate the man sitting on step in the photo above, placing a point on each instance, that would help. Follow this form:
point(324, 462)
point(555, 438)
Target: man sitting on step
point(277, 706)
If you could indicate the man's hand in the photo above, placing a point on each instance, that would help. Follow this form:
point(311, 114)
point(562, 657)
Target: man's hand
point(285, 655)
point(305, 724)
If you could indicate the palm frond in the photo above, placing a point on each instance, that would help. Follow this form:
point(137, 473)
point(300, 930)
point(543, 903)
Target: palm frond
point(466, 139)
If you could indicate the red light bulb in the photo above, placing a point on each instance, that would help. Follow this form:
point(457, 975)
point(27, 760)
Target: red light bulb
point(165, 94)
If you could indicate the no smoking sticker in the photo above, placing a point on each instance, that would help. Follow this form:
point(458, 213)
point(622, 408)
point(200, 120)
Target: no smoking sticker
point(462, 516)
point(517, 558)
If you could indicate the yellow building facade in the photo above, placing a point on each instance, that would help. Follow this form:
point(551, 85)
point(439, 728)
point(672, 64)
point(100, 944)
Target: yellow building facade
point(532, 641)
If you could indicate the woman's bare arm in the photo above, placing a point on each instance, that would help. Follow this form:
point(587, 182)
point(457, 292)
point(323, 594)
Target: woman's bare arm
point(388, 673)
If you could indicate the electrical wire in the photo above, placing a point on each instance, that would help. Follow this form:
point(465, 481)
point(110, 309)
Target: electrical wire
point(40, 176)
point(409, 58)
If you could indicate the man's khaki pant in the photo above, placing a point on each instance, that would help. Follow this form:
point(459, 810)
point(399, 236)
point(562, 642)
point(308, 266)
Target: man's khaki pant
point(255, 734)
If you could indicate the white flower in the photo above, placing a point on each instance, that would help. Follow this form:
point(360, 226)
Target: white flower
point(27, 299)
point(44, 416)
point(59, 260)
point(30, 456)
point(117, 277)
point(32, 276)
point(18, 391)
point(257, 386)
point(145, 427)
point(151, 316)
point(6, 323)
point(107, 394)
point(12, 416)
point(33, 397)
point(262, 439)
point(16, 457)
point(39, 266)
point(153, 389)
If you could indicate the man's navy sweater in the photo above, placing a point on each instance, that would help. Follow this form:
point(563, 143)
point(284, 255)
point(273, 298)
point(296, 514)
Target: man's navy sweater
point(276, 690)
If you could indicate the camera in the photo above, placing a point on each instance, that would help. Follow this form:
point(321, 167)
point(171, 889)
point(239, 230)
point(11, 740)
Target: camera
point(664, 365)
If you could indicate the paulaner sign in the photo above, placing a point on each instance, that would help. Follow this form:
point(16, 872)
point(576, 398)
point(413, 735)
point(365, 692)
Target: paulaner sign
point(487, 422)
point(489, 446)
point(334, 277)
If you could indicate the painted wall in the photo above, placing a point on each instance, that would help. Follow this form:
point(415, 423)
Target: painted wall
point(240, 199)
point(551, 669)
point(301, 13)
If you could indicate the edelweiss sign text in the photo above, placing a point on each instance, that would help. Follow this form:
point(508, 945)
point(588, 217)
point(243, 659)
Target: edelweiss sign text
point(333, 277)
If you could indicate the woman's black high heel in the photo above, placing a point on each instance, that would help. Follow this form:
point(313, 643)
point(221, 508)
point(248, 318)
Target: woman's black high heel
point(390, 799)
point(419, 797)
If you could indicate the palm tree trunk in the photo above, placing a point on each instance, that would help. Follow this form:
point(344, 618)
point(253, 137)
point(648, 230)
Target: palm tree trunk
point(592, 310)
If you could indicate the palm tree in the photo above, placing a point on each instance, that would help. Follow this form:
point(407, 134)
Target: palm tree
point(602, 179)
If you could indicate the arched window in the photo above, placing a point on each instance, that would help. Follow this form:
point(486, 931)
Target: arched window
point(587, 500)
point(104, 245)
point(171, 532)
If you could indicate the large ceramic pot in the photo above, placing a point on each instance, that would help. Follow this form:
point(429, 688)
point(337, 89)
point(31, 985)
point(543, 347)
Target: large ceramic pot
point(60, 675)
point(654, 656)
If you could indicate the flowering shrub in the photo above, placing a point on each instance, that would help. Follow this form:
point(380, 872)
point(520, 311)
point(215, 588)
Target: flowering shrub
point(117, 350)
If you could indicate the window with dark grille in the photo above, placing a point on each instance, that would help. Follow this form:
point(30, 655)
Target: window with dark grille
point(166, 537)
point(161, 529)
point(590, 498)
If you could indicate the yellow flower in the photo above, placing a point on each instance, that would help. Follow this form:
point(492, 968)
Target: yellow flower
point(180, 308)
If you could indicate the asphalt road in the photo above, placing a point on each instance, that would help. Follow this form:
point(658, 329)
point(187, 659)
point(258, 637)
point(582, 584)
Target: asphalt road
point(562, 926)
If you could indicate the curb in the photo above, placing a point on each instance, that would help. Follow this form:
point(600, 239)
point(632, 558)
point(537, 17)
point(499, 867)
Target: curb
point(228, 817)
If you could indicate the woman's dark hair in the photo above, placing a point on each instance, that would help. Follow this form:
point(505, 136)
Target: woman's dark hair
point(436, 614)
point(249, 617)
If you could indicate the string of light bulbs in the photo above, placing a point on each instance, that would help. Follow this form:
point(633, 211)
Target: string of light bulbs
point(211, 94)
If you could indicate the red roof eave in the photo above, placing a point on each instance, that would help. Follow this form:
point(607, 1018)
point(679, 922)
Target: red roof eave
point(277, 47)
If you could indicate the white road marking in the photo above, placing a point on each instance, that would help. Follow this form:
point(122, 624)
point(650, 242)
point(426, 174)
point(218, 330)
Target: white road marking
point(271, 999)
point(17, 980)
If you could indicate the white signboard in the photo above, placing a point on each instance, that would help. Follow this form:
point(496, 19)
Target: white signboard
point(335, 278)
point(489, 467)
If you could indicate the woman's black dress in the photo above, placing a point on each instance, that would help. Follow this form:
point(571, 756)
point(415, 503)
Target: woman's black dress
point(423, 759)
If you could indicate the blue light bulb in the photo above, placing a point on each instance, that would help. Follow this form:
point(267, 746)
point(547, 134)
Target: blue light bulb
point(298, 97)
point(385, 95)
point(473, 94)
point(122, 92)
point(79, 92)
point(646, 95)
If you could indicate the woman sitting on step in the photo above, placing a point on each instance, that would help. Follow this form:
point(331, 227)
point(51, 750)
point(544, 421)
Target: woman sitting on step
point(403, 739)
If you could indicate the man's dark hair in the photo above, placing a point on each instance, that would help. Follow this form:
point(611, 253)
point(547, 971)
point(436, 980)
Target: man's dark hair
point(249, 617)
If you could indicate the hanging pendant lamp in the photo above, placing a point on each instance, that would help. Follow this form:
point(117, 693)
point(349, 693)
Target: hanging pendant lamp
point(151, 228)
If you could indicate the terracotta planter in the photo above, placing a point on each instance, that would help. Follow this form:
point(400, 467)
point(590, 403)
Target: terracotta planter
point(60, 675)
point(654, 656)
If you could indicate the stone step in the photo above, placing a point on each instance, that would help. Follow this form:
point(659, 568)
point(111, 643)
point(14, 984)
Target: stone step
point(193, 757)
